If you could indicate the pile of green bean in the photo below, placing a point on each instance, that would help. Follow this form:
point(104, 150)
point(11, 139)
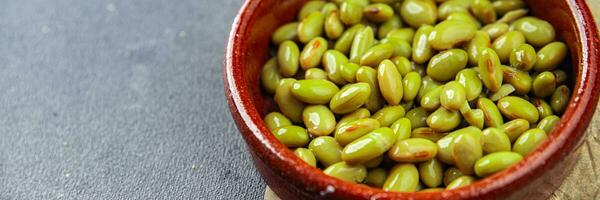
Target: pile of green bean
point(415, 95)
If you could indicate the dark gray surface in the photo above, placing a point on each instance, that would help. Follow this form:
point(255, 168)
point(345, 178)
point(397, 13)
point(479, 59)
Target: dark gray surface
point(118, 100)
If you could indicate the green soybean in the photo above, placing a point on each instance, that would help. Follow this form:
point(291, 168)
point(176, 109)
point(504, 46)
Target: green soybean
point(344, 42)
point(360, 113)
point(496, 162)
point(348, 71)
point(445, 65)
point(344, 171)
point(543, 108)
point(326, 150)
point(416, 12)
point(291, 136)
point(421, 45)
point(451, 174)
point(351, 131)
point(560, 99)
point(450, 33)
point(480, 40)
point(452, 96)
point(537, 32)
point(270, 76)
point(529, 141)
point(310, 27)
point(388, 115)
point(514, 128)
point(513, 15)
point(413, 150)
point(333, 25)
point(469, 79)
point(484, 11)
point(404, 34)
point(506, 43)
point(378, 12)
point(505, 90)
point(351, 13)
point(319, 120)
point(544, 84)
point(494, 140)
point(374, 55)
point(390, 82)
point(306, 155)
point(444, 120)
point(431, 173)
point(332, 62)
point(401, 128)
point(428, 133)
point(452, 6)
point(315, 74)
point(314, 91)
point(350, 98)
point(402, 178)
point(369, 146)
point(369, 75)
point(460, 182)
point(376, 177)
point(490, 69)
point(310, 7)
point(519, 79)
point(504, 6)
point(466, 150)
point(518, 108)
point(550, 56)
point(417, 117)
point(411, 85)
point(275, 120)
point(548, 123)
point(287, 58)
point(523, 57)
point(363, 40)
point(287, 103)
point(495, 30)
point(491, 114)
point(285, 32)
point(431, 100)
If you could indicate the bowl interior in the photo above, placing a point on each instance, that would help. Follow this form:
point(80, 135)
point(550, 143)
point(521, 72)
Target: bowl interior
point(250, 44)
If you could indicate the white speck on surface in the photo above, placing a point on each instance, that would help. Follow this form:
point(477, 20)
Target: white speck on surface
point(45, 29)
point(111, 7)
point(67, 175)
point(182, 34)
point(193, 166)
point(328, 190)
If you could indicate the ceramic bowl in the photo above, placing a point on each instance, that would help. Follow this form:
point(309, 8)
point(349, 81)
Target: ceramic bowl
point(290, 178)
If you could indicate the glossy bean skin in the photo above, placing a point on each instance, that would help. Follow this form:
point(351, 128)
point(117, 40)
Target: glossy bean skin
point(310, 7)
point(344, 42)
point(417, 117)
point(416, 13)
point(480, 40)
point(312, 53)
point(348, 71)
point(523, 57)
point(544, 84)
point(496, 162)
point(411, 85)
point(374, 55)
point(560, 99)
point(506, 43)
point(520, 80)
point(319, 120)
point(288, 104)
point(529, 141)
point(333, 26)
point(492, 116)
point(451, 174)
point(270, 76)
point(351, 13)
point(484, 11)
point(376, 177)
point(548, 123)
point(388, 115)
point(513, 15)
point(314, 91)
point(315, 74)
point(390, 82)
point(445, 144)
point(363, 40)
point(428, 133)
point(460, 182)
point(537, 32)
point(495, 30)
point(344, 171)
point(490, 69)
point(402, 178)
point(413, 150)
point(275, 120)
point(285, 32)
point(444, 120)
point(378, 12)
point(402, 128)
point(369, 75)
point(326, 150)
point(514, 128)
point(445, 65)
point(543, 107)
point(351, 131)
point(518, 108)
point(421, 46)
point(431, 173)
point(452, 6)
point(431, 100)
point(306, 155)
point(287, 58)
point(466, 150)
point(332, 62)
point(450, 33)
point(466, 17)
point(310, 27)
point(505, 90)
point(393, 23)
point(427, 85)
point(350, 98)
point(406, 34)
point(504, 6)
point(469, 79)
point(291, 136)
point(453, 96)
point(400, 47)
point(369, 146)
point(550, 56)
point(494, 140)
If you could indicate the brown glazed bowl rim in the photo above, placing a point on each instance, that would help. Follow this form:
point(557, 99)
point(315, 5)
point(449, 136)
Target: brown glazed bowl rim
point(561, 141)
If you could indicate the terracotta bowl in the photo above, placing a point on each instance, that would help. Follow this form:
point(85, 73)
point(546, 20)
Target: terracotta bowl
point(290, 178)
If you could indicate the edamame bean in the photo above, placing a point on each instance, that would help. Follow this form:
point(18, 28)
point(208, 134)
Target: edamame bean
point(413, 150)
point(504, 90)
point(291, 136)
point(537, 32)
point(490, 69)
point(344, 171)
point(351, 13)
point(332, 62)
point(523, 57)
point(369, 75)
point(544, 84)
point(312, 53)
point(460, 182)
point(351, 131)
point(401, 128)
point(376, 177)
point(451, 174)
point(543, 108)
point(519, 79)
point(401, 47)
point(494, 140)
point(369, 146)
point(360, 113)
point(445, 65)
point(418, 117)
point(416, 13)
point(378, 12)
point(363, 40)
point(452, 96)
point(484, 11)
point(491, 114)
point(287, 103)
point(421, 45)
point(550, 56)
point(469, 79)
point(444, 120)
point(306, 155)
point(388, 115)
point(445, 144)
point(326, 150)
point(350, 98)
point(474, 117)
point(466, 150)
point(496, 162)
point(431, 100)
point(405, 34)
point(452, 6)
point(411, 85)
point(513, 15)
point(402, 178)
point(315, 74)
point(390, 82)
point(466, 17)
point(344, 42)
point(376, 54)
point(560, 99)
point(514, 128)
point(529, 141)
point(310, 7)
point(314, 91)
point(270, 76)
point(285, 32)
point(506, 43)
point(287, 58)
point(517, 108)
point(348, 71)
point(393, 23)
point(450, 33)
point(480, 40)
point(275, 120)
point(431, 173)
point(319, 120)
point(504, 6)
point(310, 27)
point(561, 76)
point(428, 133)
point(548, 123)
point(333, 25)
